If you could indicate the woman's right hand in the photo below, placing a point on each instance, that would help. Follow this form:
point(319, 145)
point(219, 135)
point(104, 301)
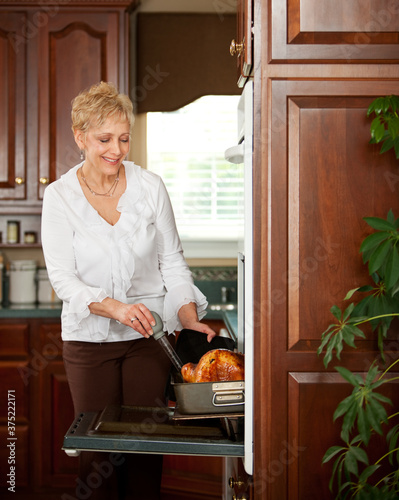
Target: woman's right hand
point(137, 316)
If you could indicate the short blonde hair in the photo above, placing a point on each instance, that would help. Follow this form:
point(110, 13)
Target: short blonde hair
point(98, 103)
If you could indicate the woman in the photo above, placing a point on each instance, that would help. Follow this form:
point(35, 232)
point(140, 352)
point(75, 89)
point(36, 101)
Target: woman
point(113, 255)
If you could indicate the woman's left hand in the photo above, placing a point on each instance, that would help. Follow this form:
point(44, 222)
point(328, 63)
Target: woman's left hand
point(189, 319)
point(202, 327)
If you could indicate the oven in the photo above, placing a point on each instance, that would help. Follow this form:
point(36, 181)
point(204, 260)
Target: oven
point(242, 152)
point(165, 430)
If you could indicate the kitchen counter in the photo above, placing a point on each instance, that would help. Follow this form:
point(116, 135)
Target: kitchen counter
point(30, 311)
point(54, 311)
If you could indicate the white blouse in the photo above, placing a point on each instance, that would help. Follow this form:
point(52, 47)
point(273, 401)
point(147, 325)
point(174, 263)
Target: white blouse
point(139, 259)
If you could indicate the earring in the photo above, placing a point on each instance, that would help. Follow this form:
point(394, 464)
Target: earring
point(82, 156)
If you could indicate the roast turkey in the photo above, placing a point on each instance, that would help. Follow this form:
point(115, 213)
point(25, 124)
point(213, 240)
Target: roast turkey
point(215, 366)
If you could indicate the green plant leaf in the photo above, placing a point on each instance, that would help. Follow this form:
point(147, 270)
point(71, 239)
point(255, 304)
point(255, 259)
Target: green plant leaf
point(332, 452)
point(338, 343)
point(336, 312)
point(348, 336)
point(394, 100)
point(366, 288)
point(391, 218)
point(377, 384)
point(361, 308)
point(350, 464)
point(355, 330)
point(377, 129)
point(376, 106)
point(343, 407)
point(363, 425)
point(359, 454)
point(337, 470)
point(379, 224)
point(373, 418)
point(393, 128)
point(371, 374)
point(392, 438)
point(392, 269)
point(325, 338)
point(382, 398)
point(367, 472)
point(378, 256)
point(349, 421)
point(387, 144)
point(396, 147)
point(329, 351)
point(350, 377)
point(373, 240)
point(348, 311)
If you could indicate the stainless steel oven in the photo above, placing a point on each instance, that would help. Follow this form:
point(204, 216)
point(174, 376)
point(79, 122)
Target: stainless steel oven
point(163, 430)
point(242, 152)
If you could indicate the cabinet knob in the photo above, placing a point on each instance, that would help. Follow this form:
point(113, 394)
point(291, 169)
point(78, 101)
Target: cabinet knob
point(44, 180)
point(236, 48)
point(234, 497)
point(235, 482)
point(19, 181)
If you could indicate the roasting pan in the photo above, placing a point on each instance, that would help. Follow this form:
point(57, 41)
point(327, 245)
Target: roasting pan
point(211, 398)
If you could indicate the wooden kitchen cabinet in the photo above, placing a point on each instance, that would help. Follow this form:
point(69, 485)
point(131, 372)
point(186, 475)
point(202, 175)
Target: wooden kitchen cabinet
point(77, 48)
point(318, 65)
point(31, 371)
point(50, 51)
point(15, 414)
point(241, 46)
point(13, 124)
point(237, 483)
point(57, 469)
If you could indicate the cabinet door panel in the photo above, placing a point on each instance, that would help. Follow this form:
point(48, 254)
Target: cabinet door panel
point(14, 340)
point(13, 380)
point(344, 31)
point(12, 104)
point(58, 469)
point(323, 178)
point(315, 396)
point(76, 51)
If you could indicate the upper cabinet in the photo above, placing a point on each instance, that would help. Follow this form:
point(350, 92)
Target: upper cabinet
point(49, 53)
point(339, 32)
point(242, 46)
point(13, 105)
point(75, 51)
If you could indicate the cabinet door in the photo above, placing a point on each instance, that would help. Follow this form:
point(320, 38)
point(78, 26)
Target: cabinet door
point(15, 425)
point(236, 482)
point(58, 469)
point(76, 50)
point(13, 105)
point(241, 47)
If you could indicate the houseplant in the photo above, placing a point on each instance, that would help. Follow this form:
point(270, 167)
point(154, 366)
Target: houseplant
point(367, 412)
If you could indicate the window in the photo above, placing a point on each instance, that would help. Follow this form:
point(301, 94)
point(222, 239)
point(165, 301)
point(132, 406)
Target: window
point(186, 148)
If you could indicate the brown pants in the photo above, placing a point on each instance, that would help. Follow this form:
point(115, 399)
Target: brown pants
point(130, 373)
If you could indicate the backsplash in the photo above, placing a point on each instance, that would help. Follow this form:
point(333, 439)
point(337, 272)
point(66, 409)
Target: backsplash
point(211, 280)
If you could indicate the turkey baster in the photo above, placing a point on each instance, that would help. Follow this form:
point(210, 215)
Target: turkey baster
point(159, 335)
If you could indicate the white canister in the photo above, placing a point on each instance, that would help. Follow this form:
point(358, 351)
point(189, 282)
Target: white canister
point(22, 282)
point(45, 292)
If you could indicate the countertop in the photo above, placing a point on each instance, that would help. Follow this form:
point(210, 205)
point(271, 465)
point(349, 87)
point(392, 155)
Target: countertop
point(54, 311)
point(31, 311)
